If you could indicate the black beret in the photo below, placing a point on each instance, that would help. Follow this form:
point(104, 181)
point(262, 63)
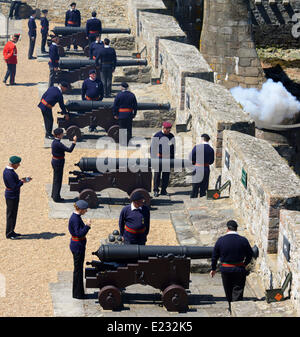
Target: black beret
point(205, 136)
point(45, 11)
point(124, 85)
point(231, 224)
point(64, 84)
point(58, 131)
point(73, 4)
point(137, 196)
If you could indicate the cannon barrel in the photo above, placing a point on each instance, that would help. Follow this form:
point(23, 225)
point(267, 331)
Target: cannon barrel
point(85, 106)
point(128, 253)
point(63, 31)
point(121, 253)
point(110, 164)
point(78, 63)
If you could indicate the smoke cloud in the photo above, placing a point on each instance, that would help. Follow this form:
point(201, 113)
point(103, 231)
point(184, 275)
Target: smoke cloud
point(268, 106)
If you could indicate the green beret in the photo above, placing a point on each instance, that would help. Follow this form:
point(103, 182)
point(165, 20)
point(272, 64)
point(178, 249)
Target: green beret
point(15, 160)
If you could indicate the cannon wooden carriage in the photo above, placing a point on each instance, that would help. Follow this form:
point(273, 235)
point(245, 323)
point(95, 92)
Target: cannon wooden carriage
point(127, 174)
point(73, 70)
point(166, 268)
point(69, 35)
point(97, 113)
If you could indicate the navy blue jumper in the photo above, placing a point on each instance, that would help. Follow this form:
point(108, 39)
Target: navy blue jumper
point(134, 224)
point(92, 90)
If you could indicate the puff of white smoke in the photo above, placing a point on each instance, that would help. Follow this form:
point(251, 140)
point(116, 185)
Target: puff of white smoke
point(268, 106)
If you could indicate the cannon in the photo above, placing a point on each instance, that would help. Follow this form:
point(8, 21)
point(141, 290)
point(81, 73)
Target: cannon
point(129, 175)
point(73, 70)
point(166, 268)
point(97, 113)
point(72, 64)
point(68, 35)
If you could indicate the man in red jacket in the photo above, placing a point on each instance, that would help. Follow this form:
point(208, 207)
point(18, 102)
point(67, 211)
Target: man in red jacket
point(10, 57)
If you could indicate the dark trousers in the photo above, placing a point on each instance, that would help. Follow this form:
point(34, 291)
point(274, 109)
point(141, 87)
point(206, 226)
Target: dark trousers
point(58, 171)
point(125, 124)
point(51, 77)
point(48, 121)
point(92, 38)
point(31, 46)
point(14, 9)
point(234, 284)
point(200, 187)
point(10, 73)
point(43, 43)
point(164, 178)
point(106, 78)
point(12, 206)
point(73, 41)
point(78, 289)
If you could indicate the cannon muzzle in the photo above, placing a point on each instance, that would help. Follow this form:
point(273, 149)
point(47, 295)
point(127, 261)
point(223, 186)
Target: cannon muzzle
point(86, 106)
point(63, 31)
point(131, 164)
point(79, 63)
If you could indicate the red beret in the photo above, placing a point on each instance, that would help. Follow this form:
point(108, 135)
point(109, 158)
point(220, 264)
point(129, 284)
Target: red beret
point(167, 125)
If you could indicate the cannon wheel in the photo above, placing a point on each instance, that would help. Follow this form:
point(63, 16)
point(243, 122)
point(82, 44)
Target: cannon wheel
point(110, 298)
point(175, 298)
point(72, 131)
point(90, 197)
point(145, 194)
point(113, 132)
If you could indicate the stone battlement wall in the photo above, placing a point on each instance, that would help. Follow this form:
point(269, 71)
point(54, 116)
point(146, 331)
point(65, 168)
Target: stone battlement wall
point(289, 254)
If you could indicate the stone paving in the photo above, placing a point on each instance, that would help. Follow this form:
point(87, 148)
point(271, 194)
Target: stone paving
point(111, 202)
point(206, 299)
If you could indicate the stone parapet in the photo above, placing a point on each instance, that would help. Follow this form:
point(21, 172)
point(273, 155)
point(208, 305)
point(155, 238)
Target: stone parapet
point(156, 26)
point(136, 6)
point(177, 61)
point(261, 185)
point(288, 256)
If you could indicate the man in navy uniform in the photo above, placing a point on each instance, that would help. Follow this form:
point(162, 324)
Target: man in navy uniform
point(162, 146)
point(134, 221)
point(58, 162)
point(32, 34)
point(52, 96)
point(54, 60)
point(106, 58)
point(93, 28)
point(202, 156)
point(78, 230)
point(73, 19)
point(235, 253)
point(94, 46)
point(124, 110)
point(92, 88)
point(12, 195)
point(44, 30)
